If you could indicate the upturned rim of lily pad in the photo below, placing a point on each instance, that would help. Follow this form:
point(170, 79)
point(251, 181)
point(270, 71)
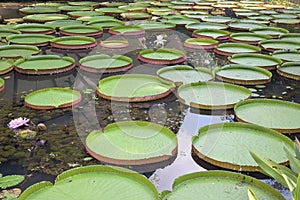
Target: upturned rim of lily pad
point(88, 42)
point(276, 47)
point(35, 50)
point(127, 30)
point(114, 44)
point(41, 18)
point(200, 43)
point(281, 70)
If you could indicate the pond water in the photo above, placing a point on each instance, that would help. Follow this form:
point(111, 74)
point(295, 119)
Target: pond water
point(66, 128)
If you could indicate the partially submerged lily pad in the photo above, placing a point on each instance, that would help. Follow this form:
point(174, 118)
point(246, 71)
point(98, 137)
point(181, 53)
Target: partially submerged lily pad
point(44, 64)
point(134, 88)
point(290, 70)
point(30, 39)
point(16, 51)
point(51, 98)
point(6, 66)
point(235, 140)
point(228, 49)
point(2, 84)
point(73, 42)
point(132, 143)
point(212, 95)
point(282, 116)
point(162, 56)
point(129, 184)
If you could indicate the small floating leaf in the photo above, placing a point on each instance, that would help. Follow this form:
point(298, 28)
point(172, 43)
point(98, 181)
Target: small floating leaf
point(10, 180)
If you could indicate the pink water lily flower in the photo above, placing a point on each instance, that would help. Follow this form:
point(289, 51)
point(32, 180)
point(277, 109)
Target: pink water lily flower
point(15, 123)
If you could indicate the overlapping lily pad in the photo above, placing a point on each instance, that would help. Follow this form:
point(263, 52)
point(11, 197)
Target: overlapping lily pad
point(73, 42)
point(235, 140)
point(16, 51)
point(4, 32)
point(221, 184)
point(244, 26)
point(35, 28)
point(162, 56)
point(30, 39)
point(212, 95)
point(60, 23)
point(127, 30)
point(290, 70)
point(184, 74)
point(129, 184)
point(248, 38)
point(243, 74)
point(277, 44)
point(134, 88)
point(282, 116)
point(132, 143)
point(273, 31)
point(105, 63)
point(44, 64)
point(2, 84)
point(228, 49)
point(82, 30)
point(211, 34)
point(200, 43)
point(52, 98)
point(205, 25)
point(6, 66)
point(45, 17)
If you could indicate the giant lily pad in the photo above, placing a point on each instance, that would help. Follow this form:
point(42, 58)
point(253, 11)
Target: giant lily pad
point(286, 21)
point(73, 42)
point(30, 39)
point(51, 98)
point(132, 143)
point(235, 140)
point(162, 56)
point(205, 25)
point(129, 184)
point(44, 64)
point(135, 15)
point(39, 10)
point(284, 16)
point(94, 18)
point(61, 23)
point(184, 74)
point(290, 70)
point(126, 30)
point(244, 26)
point(273, 31)
point(106, 23)
point(276, 44)
point(258, 60)
point(35, 28)
point(74, 8)
point(6, 66)
point(16, 51)
point(180, 20)
point(152, 25)
point(221, 185)
point(4, 32)
point(105, 63)
point(200, 43)
point(228, 49)
point(216, 19)
point(77, 14)
point(83, 3)
point(282, 116)
point(212, 95)
point(83, 30)
point(211, 34)
point(114, 44)
point(248, 38)
point(134, 88)
point(243, 74)
point(111, 10)
point(2, 84)
point(45, 17)
point(287, 55)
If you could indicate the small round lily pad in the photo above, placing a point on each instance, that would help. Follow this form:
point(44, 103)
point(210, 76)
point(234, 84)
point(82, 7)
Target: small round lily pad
point(6, 66)
point(290, 70)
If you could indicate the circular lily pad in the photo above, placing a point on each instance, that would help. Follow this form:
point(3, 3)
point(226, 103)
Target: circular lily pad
point(151, 25)
point(273, 6)
point(77, 14)
point(134, 88)
point(205, 25)
point(212, 95)
point(282, 116)
point(127, 30)
point(6, 32)
point(105, 63)
point(94, 18)
point(254, 21)
point(286, 21)
point(38, 10)
point(261, 17)
point(290, 36)
point(290, 70)
point(135, 15)
point(110, 10)
point(162, 56)
point(222, 185)
point(73, 42)
point(277, 44)
point(44, 64)
point(60, 23)
point(184, 74)
point(106, 23)
point(244, 26)
point(235, 140)
point(217, 19)
point(30, 39)
point(129, 184)
point(6, 66)
point(243, 74)
point(16, 51)
point(132, 143)
point(82, 30)
point(74, 8)
point(284, 16)
point(83, 3)
point(211, 34)
point(2, 84)
point(246, 14)
point(114, 44)
point(273, 31)
point(112, 4)
point(35, 28)
point(257, 60)
point(45, 17)
point(200, 43)
point(268, 12)
point(51, 98)
point(228, 49)
point(179, 20)
point(248, 38)
point(287, 55)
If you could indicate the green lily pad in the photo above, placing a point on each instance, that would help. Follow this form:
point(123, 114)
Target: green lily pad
point(260, 17)
point(135, 15)
point(229, 49)
point(287, 55)
point(61, 23)
point(30, 39)
point(248, 38)
point(290, 70)
point(273, 31)
point(184, 74)
point(286, 21)
point(277, 44)
point(110, 10)
point(244, 26)
point(290, 36)
point(216, 19)
point(6, 32)
point(126, 30)
point(83, 3)
point(16, 51)
point(284, 16)
point(132, 143)
point(83, 30)
point(51, 98)
point(247, 14)
point(44, 64)
point(39, 10)
point(282, 116)
point(129, 184)
point(212, 34)
point(74, 8)
point(179, 20)
point(212, 95)
point(45, 17)
point(158, 9)
point(10, 180)
point(254, 21)
point(6, 66)
point(95, 18)
point(73, 42)
point(200, 43)
point(106, 23)
point(257, 60)
point(205, 25)
point(243, 74)
point(152, 25)
point(35, 28)
point(162, 56)
point(235, 140)
point(78, 14)
point(268, 12)
point(221, 185)
point(134, 88)
point(105, 63)
point(290, 11)
point(114, 44)
point(112, 4)
point(2, 84)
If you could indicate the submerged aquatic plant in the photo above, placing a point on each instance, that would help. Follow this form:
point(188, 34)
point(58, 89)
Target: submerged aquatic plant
point(16, 123)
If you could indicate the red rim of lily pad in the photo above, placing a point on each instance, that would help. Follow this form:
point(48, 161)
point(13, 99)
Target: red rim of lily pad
point(114, 44)
point(54, 104)
point(205, 33)
point(81, 30)
point(127, 30)
point(179, 56)
point(200, 43)
point(221, 49)
point(2, 84)
point(80, 42)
